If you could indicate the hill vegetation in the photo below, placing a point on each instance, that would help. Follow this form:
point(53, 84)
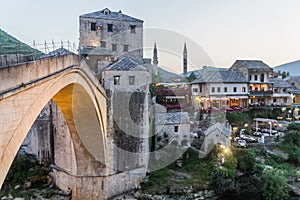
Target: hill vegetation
point(11, 45)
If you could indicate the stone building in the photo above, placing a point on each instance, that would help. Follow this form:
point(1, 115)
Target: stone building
point(258, 74)
point(219, 133)
point(281, 95)
point(127, 87)
point(172, 128)
point(219, 88)
point(119, 33)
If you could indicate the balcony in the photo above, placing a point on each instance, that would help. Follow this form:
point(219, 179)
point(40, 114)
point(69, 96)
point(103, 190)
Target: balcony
point(261, 93)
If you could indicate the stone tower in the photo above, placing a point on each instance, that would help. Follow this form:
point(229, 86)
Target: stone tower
point(111, 32)
point(185, 61)
point(155, 59)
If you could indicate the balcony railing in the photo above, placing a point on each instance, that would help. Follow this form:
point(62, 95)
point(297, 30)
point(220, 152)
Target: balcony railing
point(264, 93)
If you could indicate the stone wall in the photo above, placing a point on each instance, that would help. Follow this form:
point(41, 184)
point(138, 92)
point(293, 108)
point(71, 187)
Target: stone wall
point(14, 59)
point(100, 187)
point(128, 129)
point(37, 141)
point(120, 36)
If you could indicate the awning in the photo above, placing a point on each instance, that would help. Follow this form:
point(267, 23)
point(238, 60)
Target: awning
point(265, 120)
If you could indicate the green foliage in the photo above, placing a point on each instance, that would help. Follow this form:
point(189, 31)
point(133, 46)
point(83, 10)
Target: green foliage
point(157, 78)
point(274, 185)
point(238, 118)
point(23, 166)
point(192, 77)
point(294, 126)
point(246, 159)
point(270, 113)
point(229, 166)
point(291, 146)
point(158, 178)
point(11, 45)
point(221, 183)
point(222, 179)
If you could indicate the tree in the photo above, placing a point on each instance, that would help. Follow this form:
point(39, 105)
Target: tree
point(157, 78)
point(274, 185)
point(246, 160)
point(192, 77)
point(222, 179)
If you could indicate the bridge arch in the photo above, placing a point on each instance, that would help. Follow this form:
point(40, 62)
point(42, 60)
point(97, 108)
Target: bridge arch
point(83, 106)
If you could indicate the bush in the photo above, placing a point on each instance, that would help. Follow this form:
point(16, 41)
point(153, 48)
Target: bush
point(229, 166)
point(291, 146)
point(222, 179)
point(246, 160)
point(274, 185)
point(294, 126)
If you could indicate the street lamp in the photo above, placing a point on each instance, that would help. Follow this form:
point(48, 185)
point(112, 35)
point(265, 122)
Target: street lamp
point(289, 113)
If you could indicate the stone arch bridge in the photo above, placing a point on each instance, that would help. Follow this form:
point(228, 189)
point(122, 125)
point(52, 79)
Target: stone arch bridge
point(24, 91)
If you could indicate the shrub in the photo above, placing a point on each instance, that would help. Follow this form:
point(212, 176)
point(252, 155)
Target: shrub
point(274, 185)
point(294, 126)
point(246, 160)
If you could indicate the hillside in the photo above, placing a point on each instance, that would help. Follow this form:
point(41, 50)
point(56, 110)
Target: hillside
point(11, 45)
point(166, 74)
point(292, 67)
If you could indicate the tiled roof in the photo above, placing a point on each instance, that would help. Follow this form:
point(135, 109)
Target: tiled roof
point(252, 64)
point(111, 15)
point(172, 118)
point(221, 76)
point(96, 51)
point(126, 64)
point(57, 52)
point(281, 83)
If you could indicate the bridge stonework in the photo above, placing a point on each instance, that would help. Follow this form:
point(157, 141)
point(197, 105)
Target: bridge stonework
point(24, 91)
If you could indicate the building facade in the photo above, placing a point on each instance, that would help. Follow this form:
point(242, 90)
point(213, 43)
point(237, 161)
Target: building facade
point(119, 33)
point(172, 128)
point(259, 75)
point(219, 89)
point(281, 92)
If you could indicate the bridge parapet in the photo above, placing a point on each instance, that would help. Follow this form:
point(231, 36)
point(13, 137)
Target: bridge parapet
point(19, 75)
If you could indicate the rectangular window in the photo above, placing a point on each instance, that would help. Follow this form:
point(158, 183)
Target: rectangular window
point(93, 26)
point(218, 89)
point(262, 78)
point(132, 28)
point(234, 89)
point(213, 89)
point(103, 44)
point(250, 77)
point(126, 47)
point(243, 89)
point(109, 27)
point(131, 80)
point(200, 88)
point(176, 129)
point(116, 80)
point(114, 47)
point(255, 77)
point(195, 89)
point(225, 89)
